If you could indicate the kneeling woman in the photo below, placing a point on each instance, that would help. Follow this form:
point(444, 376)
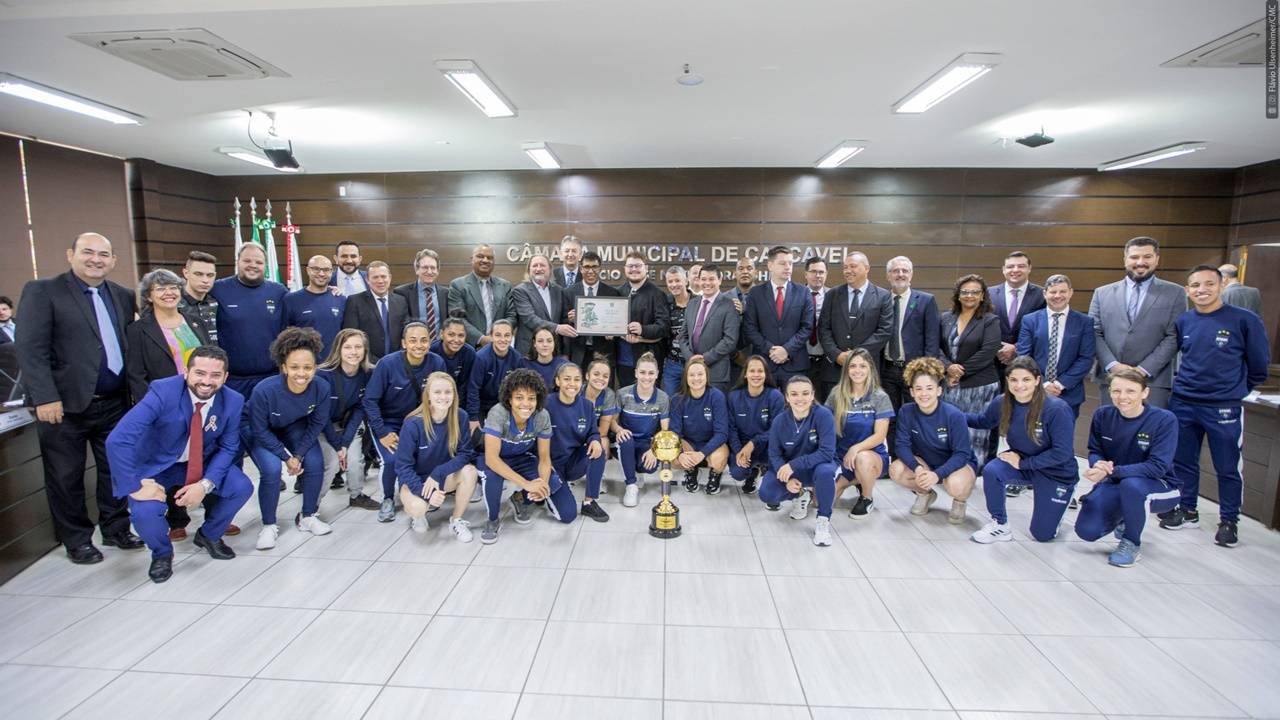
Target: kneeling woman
point(434, 457)
point(1039, 429)
point(700, 416)
point(645, 411)
point(575, 437)
point(862, 412)
point(347, 371)
point(287, 413)
point(932, 443)
point(517, 449)
point(802, 444)
point(753, 405)
point(1131, 447)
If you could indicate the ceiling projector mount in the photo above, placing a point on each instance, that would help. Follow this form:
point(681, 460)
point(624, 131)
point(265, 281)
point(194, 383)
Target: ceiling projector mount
point(277, 149)
point(1035, 140)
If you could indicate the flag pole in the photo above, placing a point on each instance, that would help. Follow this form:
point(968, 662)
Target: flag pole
point(235, 225)
point(273, 262)
point(293, 263)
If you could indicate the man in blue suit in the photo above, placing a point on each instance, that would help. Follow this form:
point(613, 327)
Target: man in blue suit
point(1061, 341)
point(778, 318)
point(153, 448)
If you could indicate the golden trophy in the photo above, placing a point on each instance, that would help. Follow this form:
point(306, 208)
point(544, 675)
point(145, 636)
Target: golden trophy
point(666, 516)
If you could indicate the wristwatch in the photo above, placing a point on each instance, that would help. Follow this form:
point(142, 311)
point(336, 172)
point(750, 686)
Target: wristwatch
point(207, 484)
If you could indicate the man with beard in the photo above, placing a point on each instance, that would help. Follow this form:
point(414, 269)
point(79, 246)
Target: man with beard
point(649, 320)
point(200, 272)
point(1134, 322)
point(316, 306)
point(347, 276)
point(482, 297)
point(539, 304)
point(250, 316)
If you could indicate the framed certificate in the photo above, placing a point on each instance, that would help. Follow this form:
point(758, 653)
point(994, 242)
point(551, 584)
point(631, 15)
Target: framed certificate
point(601, 315)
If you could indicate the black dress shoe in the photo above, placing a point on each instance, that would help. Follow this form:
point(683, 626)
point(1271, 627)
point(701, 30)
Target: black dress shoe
point(85, 554)
point(161, 569)
point(217, 549)
point(124, 540)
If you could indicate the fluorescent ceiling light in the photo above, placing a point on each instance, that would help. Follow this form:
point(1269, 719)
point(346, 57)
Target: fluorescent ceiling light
point(18, 87)
point(249, 156)
point(479, 89)
point(840, 153)
point(1153, 156)
point(542, 155)
point(947, 81)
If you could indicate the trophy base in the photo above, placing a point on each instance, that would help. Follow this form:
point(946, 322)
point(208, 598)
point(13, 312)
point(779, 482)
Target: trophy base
point(666, 520)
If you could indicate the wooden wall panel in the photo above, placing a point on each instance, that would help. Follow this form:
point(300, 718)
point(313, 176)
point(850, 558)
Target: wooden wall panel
point(16, 269)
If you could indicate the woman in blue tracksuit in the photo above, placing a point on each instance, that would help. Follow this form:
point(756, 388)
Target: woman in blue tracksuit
point(1040, 431)
point(576, 451)
point(753, 405)
point(287, 413)
point(645, 410)
point(1131, 451)
point(932, 443)
point(394, 390)
point(862, 412)
point(542, 357)
point(700, 416)
point(434, 457)
point(802, 447)
point(517, 449)
point(347, 371)
point(603, 399)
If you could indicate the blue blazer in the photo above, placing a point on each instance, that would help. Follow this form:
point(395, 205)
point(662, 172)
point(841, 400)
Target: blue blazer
point(1031, 300)
point(919, 326)
point(1076, 357)
point(151, 437)
point(764, 330)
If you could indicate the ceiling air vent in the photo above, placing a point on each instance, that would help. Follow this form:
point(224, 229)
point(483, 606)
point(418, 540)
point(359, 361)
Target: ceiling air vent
point(187, 54)
point(1240, 49)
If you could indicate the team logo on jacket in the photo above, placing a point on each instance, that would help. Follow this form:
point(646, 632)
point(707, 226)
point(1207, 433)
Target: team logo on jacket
point(1039, 432)
point(582, 425)
point(706, 414)
point(1061, 490)
point(311, 408)
point(334, 310)
point(813, 436)
point(271, 306)
point(943, 433)
point(1222, 338)
point(764, 415)
point(1144, 441)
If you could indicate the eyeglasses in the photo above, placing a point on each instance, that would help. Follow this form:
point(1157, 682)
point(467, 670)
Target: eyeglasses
point(970, 293)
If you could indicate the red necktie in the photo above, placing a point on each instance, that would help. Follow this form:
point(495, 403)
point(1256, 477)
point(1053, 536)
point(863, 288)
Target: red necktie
point(778, 303)
point(195, 450)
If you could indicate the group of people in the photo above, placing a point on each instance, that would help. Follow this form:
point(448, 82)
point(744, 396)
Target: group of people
point(483, 387)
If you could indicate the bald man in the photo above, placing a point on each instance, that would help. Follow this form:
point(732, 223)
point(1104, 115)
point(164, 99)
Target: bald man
point(316, 306)
point(1234, 293)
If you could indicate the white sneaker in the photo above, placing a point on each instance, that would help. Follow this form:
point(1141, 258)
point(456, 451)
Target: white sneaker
point(924, 502)
point(267, 537)
point(478, 494)
point(992, 532)
point(800, 506)
point(461, 530)
point(418, 525)
point(314, 525)
point(822, 532)
point(631, 497)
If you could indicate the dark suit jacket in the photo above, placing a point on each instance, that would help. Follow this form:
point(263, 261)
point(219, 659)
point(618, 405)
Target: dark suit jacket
point(919, 325)
point(1075, 359)
point(1030, 301)
point(719, 338)
point(4, 337)
point(464, 294)
point(149, 357)
point(577, 349)
point(764, 329)
point(362, 313)
point(557, 277)
point(649, 308)
point(59, 347)
point(977, 348)
point(869, 327)
point(409, 291)
point(532, 314)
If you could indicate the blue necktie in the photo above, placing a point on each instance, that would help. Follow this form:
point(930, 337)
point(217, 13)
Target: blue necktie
point(110, 341)
point(386, 330)
point(1135, 299)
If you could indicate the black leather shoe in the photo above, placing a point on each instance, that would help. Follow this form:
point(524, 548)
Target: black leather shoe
point(124, 540)
point(161, 569)
point(217, 549)
point(85, 554)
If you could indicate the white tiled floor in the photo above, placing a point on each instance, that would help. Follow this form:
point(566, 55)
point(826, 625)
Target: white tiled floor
point(741, 619)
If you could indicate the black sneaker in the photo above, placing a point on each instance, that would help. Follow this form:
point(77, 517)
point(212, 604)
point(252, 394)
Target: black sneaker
point(1180, 518)
point(594, 511)
point(338, 481)
point(713, 483)
point(691, 480)
point(1227, 536)
point(749, 485)
point(862, 507)
point(1013, 490)
point(297, 486)
point(771, 507)
point(364, 502)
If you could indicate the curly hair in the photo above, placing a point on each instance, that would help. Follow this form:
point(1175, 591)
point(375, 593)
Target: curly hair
point(928, 366)
point(522, 379)
point(295, 338)
point(984, 307)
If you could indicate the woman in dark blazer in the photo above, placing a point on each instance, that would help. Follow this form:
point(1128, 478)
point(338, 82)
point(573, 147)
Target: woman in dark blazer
point(970, 339)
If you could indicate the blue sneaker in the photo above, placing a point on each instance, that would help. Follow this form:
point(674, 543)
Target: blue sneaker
point(1119, 531)
point(1125, 555)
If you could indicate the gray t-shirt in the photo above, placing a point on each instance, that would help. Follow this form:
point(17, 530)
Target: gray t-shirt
point(516, 442)
point(642, 417)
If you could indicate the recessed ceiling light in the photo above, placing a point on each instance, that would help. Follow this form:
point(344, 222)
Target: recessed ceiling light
point(542, 155)
point(471, 81)
point(947, 81)
point(689, 78)
point(1163, 153)
point(18, 87)
point(841, 153)
point(249, 156)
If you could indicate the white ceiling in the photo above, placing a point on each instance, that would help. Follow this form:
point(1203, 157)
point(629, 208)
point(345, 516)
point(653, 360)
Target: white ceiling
point(785, 82)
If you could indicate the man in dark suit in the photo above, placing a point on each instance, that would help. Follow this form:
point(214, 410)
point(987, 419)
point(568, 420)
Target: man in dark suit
point(1240, 295)
point(482, 297)
point(1062, 342)
point(913, 333)
point(8, 328)
point(570, 270)
point(154, 448)
point(855, 315)
point(583, 348)
point(815, 278)
point(712, 325)
point(380, 313)
point(347, 275)
point(649, 320)
point(71, 347)
point(428, 302)
point(778, 318)
point(539, 305)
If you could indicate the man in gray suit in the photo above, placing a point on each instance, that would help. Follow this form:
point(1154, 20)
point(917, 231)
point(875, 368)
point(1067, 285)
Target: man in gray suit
point(712, 325)
point(854, 315)
point(482, 297)
point(1133, 320)
point(538, 305)
point(1233, 293)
